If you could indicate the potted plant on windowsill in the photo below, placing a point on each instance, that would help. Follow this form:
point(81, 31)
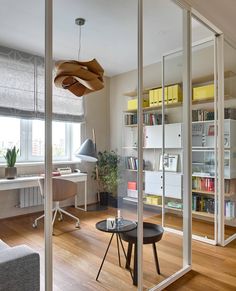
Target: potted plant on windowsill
point(11, 155)
point(106, 175)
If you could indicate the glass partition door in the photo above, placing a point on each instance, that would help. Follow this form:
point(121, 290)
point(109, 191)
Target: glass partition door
point(166, 153)
point(229, 143)
point(204, 143)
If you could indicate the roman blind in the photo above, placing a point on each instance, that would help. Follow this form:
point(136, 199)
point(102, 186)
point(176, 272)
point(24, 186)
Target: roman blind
point(22, 89)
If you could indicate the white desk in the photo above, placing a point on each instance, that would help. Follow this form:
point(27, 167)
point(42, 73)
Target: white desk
point(32, 181)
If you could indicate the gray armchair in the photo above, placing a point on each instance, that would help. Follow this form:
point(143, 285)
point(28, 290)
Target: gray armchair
point(19, 268)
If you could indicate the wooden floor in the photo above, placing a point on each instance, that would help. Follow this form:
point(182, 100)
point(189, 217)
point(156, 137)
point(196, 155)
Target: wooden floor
point(78, 254)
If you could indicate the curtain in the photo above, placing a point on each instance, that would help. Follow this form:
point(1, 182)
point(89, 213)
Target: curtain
point(22, 89)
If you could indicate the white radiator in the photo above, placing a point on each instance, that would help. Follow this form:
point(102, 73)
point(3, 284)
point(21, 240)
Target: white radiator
point(30, 197)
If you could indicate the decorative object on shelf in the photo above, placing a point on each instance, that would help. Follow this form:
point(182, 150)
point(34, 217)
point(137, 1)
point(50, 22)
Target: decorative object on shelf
point(170, 162)
point(80, 78)
point(11, 170)
point(106, 174)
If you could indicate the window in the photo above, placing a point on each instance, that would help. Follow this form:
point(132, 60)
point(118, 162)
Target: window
point(28, 136)
point(9, 134)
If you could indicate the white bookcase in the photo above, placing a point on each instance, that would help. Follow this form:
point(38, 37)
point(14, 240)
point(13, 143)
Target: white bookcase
point(203, 166)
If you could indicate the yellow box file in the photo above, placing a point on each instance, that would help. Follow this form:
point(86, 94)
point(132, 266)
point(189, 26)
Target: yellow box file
point(176, 94)
point(151, 98)
point(153, 200)
point(203, 92)
point(156, 97)
point(133, 104)
point(156, 200)
point(170, 94)
point(160, 96)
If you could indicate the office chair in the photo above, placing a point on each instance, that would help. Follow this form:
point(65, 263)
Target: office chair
point(61, 190)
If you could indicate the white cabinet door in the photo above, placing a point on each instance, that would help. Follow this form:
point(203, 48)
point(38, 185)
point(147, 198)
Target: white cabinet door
point(153, 136)
point(173, 185)
point(173, 135)
point(153, 183)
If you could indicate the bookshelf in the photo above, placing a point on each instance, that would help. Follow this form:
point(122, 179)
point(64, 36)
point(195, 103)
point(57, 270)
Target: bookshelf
point(204, 154)
point(152, 149)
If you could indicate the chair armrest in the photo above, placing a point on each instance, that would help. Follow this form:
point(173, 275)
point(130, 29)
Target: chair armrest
point(19, 269)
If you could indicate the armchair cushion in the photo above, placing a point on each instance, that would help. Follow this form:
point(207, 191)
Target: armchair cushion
point(19, 269)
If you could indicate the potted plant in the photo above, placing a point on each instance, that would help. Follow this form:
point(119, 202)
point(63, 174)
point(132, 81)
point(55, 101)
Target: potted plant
point(106, 175)
point(11, 155)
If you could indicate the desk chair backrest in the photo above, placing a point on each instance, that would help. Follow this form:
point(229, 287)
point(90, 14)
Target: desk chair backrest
point(61, 189)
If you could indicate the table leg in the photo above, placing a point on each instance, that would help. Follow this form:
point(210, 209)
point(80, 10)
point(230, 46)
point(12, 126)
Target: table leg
point(118, 249)
point(156, 258)
point(135, 279)
point(104, 257)
point(129, 254)
point(125, 256)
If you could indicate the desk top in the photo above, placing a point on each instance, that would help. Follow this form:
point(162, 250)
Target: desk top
point(32, 181)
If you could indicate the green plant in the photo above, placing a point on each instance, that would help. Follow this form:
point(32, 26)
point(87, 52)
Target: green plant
point(106, 171)
point(11, 156)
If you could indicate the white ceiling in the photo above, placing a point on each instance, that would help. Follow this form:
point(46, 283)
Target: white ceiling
point(110, 32)
point(220, 12)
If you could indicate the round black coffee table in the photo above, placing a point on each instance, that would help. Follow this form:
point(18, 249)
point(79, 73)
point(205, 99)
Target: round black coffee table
point(122, 227)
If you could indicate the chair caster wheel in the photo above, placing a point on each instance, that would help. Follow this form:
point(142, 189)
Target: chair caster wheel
point(77, 225)
point(34, 225)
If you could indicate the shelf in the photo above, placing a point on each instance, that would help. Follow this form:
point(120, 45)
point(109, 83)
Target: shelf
point(130, 199)
point(135, 93)
point(204, 121)
point(201, 175)
point(203, 148)
point(154, 108)
point(203, 214)
point(135, 200)
point(177, 104)
point(131, 125)
point(203, 192)
point(229, 221)
point(209, 193)
point(131, 170)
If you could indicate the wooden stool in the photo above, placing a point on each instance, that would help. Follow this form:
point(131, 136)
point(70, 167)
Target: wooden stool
point(152, 233)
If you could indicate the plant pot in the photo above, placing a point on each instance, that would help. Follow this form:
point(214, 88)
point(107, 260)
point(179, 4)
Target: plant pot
point(10, 172)
point(103, 198)
point(115, 202)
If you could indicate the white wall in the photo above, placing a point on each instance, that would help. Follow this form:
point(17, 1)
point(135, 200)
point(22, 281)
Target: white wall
point(98, 117)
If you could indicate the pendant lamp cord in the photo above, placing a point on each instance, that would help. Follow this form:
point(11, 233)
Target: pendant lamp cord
point(79, 45)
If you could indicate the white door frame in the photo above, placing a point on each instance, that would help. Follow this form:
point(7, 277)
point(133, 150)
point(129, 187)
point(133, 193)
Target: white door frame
point(48, 146)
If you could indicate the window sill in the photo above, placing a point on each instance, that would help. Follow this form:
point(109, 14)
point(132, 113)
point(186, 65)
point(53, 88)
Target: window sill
point(36, 163)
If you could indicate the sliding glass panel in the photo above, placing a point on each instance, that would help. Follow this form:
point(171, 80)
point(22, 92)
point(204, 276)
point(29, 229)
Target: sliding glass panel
point(173, 151)
point(163, 254)
point(229, 141)
point(203, 141)
point(109, 35)
point(22, 39)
